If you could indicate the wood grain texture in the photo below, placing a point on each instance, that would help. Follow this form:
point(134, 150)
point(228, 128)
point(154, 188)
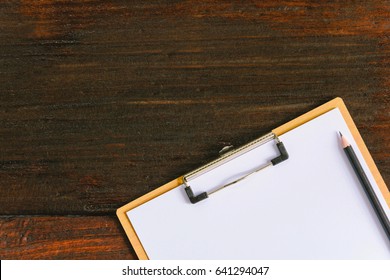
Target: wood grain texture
point(104, 101)
point(62, 237)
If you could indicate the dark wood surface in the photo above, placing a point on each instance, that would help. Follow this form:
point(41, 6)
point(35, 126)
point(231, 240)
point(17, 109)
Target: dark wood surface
point(104, 101)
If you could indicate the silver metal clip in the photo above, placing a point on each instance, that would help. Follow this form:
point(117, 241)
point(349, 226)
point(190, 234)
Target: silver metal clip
point(225, 149)
point(229, 155)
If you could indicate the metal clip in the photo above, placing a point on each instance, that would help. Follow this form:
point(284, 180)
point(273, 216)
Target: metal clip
point(225, 149)
point(229, 156)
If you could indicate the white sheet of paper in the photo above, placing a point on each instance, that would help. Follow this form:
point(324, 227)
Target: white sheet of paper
point(311, 206)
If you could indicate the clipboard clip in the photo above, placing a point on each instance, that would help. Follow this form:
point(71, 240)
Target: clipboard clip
point(230, 155)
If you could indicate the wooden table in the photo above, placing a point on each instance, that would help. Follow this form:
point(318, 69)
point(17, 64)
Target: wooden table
point(104, 101)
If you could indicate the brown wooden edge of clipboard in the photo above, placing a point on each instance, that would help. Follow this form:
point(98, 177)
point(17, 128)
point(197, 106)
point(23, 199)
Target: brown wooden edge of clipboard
point(334, 103)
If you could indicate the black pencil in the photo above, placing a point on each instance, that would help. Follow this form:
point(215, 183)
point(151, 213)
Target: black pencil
point(366, 185)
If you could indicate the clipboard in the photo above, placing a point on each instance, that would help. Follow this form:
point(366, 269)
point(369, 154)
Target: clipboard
point(279, 131)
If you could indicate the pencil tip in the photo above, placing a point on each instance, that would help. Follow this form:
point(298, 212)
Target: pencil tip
point(344, 141)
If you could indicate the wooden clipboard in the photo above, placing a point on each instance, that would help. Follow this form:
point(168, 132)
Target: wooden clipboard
point(335, 103)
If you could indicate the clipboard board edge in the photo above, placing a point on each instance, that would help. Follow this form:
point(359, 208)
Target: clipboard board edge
point(308, 116)
point(126, 223)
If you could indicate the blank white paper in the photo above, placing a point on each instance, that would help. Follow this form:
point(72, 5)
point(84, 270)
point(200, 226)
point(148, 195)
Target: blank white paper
point(310, 206)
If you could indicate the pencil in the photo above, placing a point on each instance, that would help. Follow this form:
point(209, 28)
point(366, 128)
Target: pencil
point(366, 184)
